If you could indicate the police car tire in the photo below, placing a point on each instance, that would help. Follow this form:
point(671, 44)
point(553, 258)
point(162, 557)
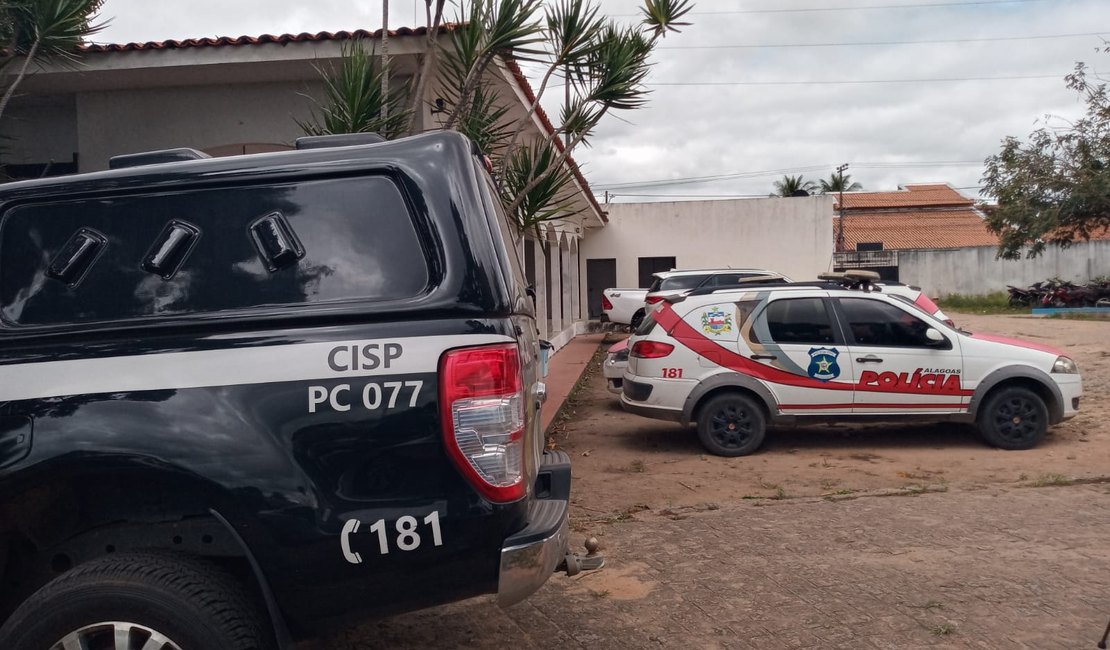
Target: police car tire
point(742, 412)
point(1013, 418)
point(191, 603)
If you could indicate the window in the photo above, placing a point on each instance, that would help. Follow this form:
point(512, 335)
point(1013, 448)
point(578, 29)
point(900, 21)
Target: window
point(678, 282)
point(869, 246)
point(348, 239)
point(648, 266)
point(740, 279)
point(873, 322)
point(646, 325)
point(799, 320)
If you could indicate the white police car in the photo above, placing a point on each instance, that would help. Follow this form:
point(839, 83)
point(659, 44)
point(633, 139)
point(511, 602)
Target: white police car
point(733, 360)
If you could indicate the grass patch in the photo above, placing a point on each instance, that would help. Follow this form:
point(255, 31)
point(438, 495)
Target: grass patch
point(635, 467)
point(1046, 480)
point(943, 629)
point(625, 515)
point(991, 303)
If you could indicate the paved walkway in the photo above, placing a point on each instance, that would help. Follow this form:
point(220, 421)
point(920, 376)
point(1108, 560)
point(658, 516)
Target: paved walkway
point(990, 568)
point(564, 369)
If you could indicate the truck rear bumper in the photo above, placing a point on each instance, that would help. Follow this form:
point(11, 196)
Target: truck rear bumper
point(529, 557)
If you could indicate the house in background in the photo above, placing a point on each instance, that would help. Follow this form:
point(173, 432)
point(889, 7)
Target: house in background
point(230, 96)
point(877, 226)
point(932, 236)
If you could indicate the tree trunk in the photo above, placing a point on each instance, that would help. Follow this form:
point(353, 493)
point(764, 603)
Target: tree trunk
point(428, 63)
point(19, 78)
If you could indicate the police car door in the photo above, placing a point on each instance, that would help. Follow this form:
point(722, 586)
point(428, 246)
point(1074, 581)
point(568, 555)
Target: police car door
point(898, 369)
point(802, 355)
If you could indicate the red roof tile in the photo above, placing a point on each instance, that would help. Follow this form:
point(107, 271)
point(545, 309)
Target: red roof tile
point(911, 229)
point(911, 196)
point(283, 39)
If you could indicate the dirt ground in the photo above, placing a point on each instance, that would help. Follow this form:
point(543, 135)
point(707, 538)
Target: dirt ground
point(788, 548)
point(625, 463)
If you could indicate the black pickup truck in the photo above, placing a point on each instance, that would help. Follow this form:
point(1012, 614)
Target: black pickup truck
point(246, 400)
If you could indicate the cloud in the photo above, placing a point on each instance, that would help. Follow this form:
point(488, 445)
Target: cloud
point(689, 131)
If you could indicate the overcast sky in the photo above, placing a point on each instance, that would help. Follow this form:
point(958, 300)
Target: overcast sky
point(753, 89)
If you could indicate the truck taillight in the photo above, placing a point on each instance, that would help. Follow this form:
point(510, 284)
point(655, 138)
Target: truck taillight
point(651, 349)
point(482, 408)
point(651, 300)
point(605, 304)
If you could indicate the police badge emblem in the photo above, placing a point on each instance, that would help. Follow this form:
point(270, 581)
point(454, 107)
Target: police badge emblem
point(716, 322)
point(822, 364)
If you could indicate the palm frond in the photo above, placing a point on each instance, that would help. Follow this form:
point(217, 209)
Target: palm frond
point(353, 98)
point(662, 16)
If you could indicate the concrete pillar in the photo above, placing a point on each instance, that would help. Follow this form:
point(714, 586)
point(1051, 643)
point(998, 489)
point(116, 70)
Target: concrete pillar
point(555, 322)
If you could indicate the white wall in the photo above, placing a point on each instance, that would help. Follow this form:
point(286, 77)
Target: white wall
point(976, 271)
point(131, 121)
point(790, 235)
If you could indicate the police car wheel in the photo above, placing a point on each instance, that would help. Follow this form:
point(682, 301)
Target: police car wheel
point(731, 425)
point(137, 602)
point(1013, 418)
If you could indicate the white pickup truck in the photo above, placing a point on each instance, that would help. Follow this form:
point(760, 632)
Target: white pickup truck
point(623, 306)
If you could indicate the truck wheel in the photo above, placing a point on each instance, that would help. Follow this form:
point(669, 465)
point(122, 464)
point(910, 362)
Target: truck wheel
point(1013, 418)
point(637, 318)
point(731, 425)
point(138, 602)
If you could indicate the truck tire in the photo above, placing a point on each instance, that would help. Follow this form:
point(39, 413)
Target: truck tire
point(177, 602)
point(1013, 418)
point(731, 425)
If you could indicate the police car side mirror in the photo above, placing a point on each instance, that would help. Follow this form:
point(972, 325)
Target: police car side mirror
point(934, 337)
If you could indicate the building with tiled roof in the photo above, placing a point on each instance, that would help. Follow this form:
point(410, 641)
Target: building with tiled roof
point(876, 225)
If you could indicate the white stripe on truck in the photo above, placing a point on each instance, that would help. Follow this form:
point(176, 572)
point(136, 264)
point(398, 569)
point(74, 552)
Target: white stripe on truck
point(232, 367)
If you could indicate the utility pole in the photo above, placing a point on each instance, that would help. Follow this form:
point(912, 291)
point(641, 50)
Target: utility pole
point(840, 222)
point(385, 59)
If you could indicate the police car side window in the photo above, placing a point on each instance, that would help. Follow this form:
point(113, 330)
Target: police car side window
point(799, 320)
point(873, 322)
point(351, 238)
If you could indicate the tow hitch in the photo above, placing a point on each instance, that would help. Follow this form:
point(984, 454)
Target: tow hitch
point(575, 563)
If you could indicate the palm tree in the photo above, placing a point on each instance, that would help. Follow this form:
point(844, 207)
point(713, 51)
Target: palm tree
point(358, 99)
point(839, 183)
point(35, 30)
point(794, 186)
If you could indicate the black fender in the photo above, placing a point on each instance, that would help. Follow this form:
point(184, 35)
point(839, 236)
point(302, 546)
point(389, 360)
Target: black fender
point(1055, 403)
point(277, 620)
point(82, 508)
point(729, 380)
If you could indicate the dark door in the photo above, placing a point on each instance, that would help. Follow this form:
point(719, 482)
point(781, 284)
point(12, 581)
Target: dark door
point(600, 275)
point(651, 265)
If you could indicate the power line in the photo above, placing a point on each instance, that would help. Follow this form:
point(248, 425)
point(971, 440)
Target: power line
point(989, 39)
point(858, 8)
point(829, 82)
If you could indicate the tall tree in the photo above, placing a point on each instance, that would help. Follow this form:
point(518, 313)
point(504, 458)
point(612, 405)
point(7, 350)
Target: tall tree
point(35, 31)
point(1054, 188)
point(604, 65)
point(794, 186)
point(839, 183)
